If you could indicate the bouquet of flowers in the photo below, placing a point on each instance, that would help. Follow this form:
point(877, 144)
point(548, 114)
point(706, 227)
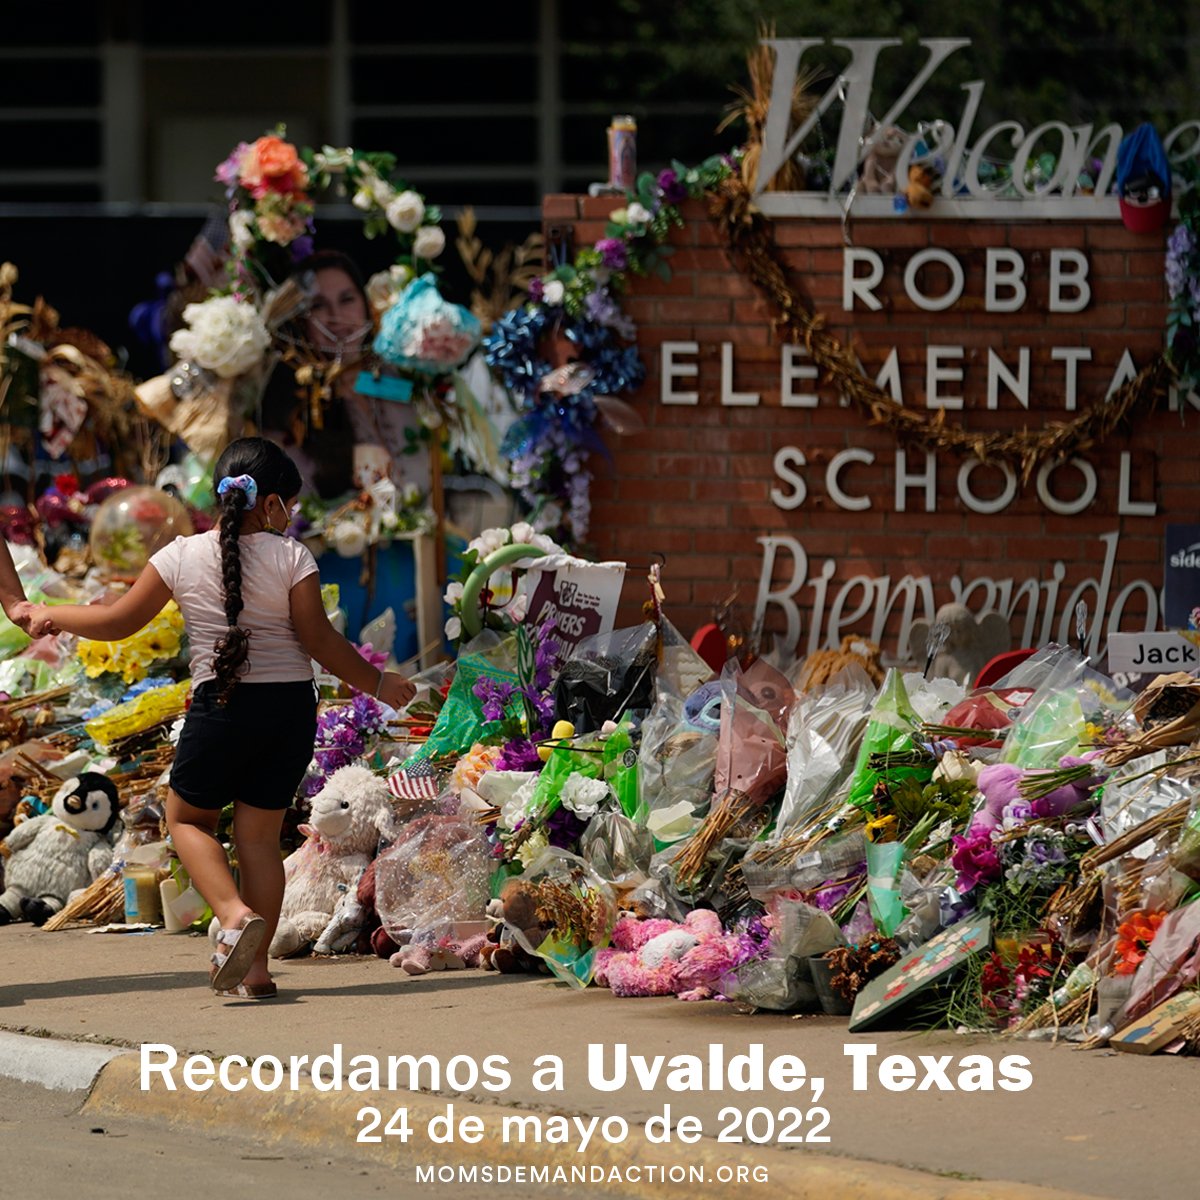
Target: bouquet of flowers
point(224, 335)
point(478, 549)
point(343, 735)
point(160, 641)
point(424, 332)
point(266, 183)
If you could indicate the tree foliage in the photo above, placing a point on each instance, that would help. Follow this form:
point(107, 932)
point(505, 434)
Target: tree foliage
point(1077, 61)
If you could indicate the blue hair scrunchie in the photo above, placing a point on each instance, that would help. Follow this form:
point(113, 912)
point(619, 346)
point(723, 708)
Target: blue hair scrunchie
point(241, 483)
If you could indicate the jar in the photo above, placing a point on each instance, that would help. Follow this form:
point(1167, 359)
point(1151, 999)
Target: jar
point(143, 901)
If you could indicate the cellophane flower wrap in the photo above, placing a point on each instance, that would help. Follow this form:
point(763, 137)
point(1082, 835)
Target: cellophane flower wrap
point(424, 332)
point(434, 874)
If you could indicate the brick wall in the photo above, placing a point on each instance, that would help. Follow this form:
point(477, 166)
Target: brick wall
point(696, 483)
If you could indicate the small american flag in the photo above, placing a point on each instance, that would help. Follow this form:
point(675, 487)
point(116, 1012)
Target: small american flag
point(416, 781)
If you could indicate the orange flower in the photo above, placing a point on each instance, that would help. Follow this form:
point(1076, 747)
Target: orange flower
point(1134, 936)
point(272, 164)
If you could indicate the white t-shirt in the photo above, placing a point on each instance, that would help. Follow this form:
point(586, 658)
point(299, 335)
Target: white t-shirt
point(271, 567)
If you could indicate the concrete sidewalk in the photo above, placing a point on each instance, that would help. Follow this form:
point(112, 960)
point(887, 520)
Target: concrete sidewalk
point(1097, 1124)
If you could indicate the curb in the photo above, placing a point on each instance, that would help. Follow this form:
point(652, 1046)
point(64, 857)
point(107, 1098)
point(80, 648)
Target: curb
point(60, 1066)
point(328, 1121)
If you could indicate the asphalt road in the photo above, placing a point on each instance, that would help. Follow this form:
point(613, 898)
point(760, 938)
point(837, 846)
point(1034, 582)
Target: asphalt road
point(50, 1151)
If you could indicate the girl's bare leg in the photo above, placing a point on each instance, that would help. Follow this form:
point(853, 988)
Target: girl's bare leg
point(256, 835)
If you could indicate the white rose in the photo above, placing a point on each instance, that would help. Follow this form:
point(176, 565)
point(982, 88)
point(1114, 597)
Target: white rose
point(224, 335)
point(553, 292)
point(430, 242)
point(363, 200)
point(489, 540)
point(406, 212)
point(955, 767)
point(637, 214)
point(381, 191)
point(348, 538)
point(522, 531)
point(241, 229)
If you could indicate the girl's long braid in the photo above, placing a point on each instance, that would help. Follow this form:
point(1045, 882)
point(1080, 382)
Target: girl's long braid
point(234, 648)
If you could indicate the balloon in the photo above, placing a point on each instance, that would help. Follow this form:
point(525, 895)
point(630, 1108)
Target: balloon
point(133, 524)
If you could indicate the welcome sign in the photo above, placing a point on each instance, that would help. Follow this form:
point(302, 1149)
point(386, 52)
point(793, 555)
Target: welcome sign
point(982, 316)
point(962, 148)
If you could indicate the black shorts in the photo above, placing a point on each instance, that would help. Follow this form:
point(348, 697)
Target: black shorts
point(255, 749)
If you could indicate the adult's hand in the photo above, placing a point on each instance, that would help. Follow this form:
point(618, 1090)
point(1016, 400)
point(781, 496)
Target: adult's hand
point(396, 691)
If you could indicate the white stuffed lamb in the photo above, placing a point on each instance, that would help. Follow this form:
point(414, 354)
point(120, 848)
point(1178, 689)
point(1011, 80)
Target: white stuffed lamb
point(53, 855)
point(348, 816)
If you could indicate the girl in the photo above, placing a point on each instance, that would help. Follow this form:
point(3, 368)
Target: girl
point(251, 601)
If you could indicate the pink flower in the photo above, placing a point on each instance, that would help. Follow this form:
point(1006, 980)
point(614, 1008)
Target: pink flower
point(976, 861)
point(373, 656)
point(230, 171)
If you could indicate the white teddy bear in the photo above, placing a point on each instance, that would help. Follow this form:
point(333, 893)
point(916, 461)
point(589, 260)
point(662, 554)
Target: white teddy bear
point(349, 814)
point(66, 849)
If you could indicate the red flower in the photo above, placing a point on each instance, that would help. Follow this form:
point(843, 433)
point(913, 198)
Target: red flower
point(1134, 936)
point(67, 484)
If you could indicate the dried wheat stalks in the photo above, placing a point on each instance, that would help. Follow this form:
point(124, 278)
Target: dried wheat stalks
point(1169, 820)
point(752, 105)
point(99, 903)
point(732, 808)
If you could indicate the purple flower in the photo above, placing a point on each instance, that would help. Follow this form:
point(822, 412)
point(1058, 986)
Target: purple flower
point(673, 190)
point(366, 712)
point(519, 755)
point(613, 253)
point(301, 247)
point(537, 290)
point(1044, 852)
point(494, 695)
point(828, 898)
point(600, 306)
point(563, 827)
point(229, 172)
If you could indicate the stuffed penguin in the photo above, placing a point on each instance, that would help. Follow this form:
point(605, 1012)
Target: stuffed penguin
point(65, 849)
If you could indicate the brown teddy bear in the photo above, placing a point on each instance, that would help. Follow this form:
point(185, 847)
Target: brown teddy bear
point(919, 192)
point(515, 912)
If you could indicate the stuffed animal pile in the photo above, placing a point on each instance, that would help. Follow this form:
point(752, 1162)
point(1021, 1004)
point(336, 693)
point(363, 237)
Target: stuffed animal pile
point(664, 958)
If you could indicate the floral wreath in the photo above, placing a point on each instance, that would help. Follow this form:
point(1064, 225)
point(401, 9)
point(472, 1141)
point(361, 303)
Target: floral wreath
point(549, 446)
point(1183, 283)
point(267, 187)
point(478, 551)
